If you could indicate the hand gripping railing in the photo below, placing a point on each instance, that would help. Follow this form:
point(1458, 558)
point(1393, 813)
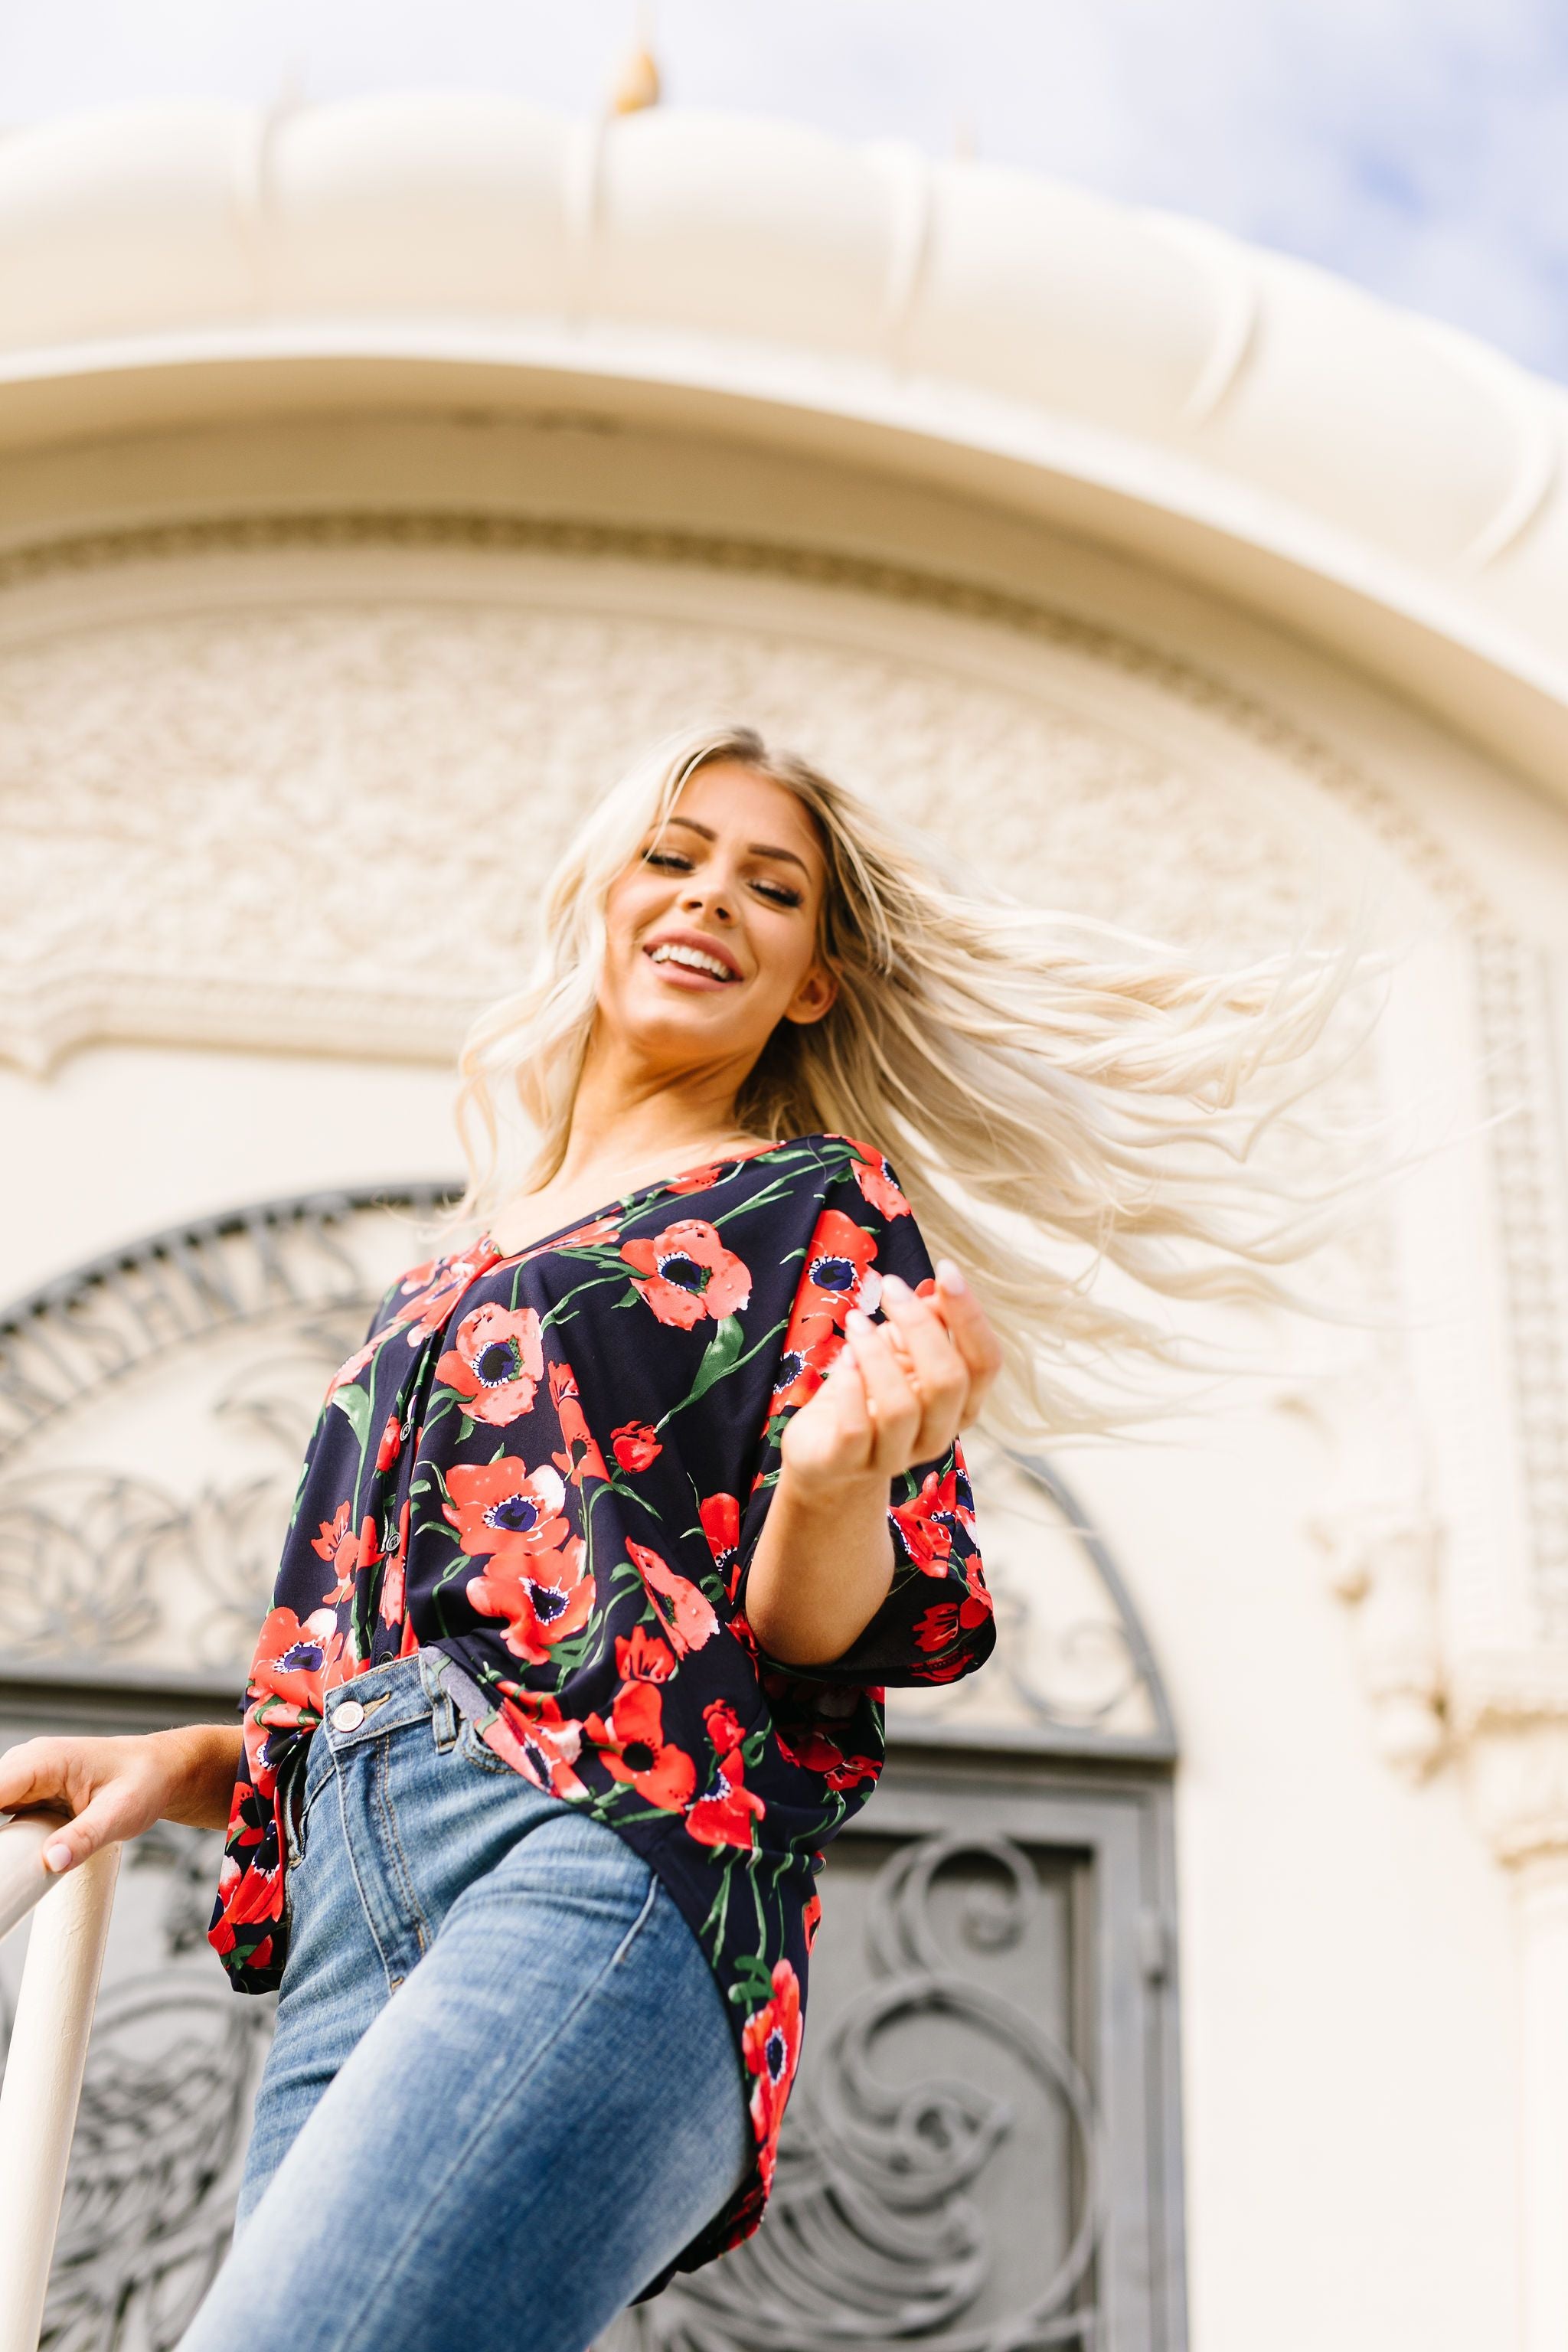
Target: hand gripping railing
point(40, 2095)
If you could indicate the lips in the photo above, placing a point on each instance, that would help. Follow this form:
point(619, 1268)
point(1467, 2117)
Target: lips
point(693, 952)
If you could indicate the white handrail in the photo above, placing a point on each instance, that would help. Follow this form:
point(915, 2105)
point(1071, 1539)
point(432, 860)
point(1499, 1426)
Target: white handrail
point(44, 2068)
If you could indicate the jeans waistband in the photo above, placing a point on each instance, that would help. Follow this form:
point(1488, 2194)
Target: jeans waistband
point(401, 1691)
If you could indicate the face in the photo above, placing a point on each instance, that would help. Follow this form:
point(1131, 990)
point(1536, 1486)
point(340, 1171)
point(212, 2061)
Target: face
point(713, 930)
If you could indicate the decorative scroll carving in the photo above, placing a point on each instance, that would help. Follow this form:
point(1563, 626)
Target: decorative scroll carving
point(885, 2226)
point(198, 1357)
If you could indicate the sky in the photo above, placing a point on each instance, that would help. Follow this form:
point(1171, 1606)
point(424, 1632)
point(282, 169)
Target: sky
point(1417, 146)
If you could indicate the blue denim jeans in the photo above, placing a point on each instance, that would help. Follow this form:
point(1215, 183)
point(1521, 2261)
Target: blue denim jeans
point(503, 2093)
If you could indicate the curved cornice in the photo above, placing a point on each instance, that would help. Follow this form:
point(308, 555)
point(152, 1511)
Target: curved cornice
point(1388, 487)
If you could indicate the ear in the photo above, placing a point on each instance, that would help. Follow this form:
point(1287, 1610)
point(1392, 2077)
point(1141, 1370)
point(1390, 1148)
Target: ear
point(816, 996)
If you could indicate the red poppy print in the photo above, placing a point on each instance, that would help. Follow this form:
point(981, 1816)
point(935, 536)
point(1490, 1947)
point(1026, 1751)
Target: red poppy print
point(641, 1656)
point(803, 1368)
point(294, 1662)
point(840, 1272)
point(353, 1366)
point(923, 1526)
point(391, 1444)
point(495, 1363)
point(770, 2043)
point(632, 1748)
point(877, 1183)
point(503, 1507)
point(541, 1597)
point(581, 1458)
point(686, 1274)
point(720, 1518)
point(345, 1550)
point(939, 1625)
point(814, 1751)
point(682, 1609)
point(529, 1732)
point(431, 1290)
point(727, 1812)
point(635, 1445)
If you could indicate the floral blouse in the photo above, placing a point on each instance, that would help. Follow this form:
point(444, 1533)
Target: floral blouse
point(554, 1467)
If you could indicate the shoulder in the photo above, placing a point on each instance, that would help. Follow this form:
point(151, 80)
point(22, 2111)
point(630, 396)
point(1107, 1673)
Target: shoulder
point(849, 1163)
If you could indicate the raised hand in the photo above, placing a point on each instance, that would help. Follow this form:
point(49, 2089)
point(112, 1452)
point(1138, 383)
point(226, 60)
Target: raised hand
point(898, 1392)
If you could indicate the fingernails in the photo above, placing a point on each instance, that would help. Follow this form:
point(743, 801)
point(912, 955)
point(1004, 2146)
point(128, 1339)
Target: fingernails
point(948, 1278)
point(58, 1855)
point(894, 1287)
point(856, 1321)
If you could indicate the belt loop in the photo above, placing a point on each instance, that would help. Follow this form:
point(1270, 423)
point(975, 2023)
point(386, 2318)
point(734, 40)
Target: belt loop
point(443, 1721)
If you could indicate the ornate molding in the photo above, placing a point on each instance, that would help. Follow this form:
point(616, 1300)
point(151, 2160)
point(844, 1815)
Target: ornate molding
point(1511, 1713)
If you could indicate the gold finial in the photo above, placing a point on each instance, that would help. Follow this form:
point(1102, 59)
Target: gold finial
point(636, 85)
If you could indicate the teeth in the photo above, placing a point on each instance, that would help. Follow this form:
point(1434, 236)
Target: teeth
point(694, 959)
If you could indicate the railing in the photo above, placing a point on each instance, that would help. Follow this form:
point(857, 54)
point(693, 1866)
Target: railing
point(42, 2087)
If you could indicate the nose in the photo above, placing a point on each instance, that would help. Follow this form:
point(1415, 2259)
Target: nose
point(714, 899)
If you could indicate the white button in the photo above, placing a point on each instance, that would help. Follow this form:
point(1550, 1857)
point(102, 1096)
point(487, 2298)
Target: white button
point(349, 1716)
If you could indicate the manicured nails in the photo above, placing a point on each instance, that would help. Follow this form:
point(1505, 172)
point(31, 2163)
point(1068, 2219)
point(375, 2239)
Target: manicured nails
point(948, 1278)
point(894, 1287)
point(58, 1855)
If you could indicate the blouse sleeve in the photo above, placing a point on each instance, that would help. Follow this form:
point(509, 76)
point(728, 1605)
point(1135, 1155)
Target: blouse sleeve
point(936, 1622)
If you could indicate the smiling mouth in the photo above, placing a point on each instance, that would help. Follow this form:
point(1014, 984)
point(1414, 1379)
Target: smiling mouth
point(691, 959)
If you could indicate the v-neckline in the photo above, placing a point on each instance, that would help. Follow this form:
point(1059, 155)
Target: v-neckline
point(486, 1241)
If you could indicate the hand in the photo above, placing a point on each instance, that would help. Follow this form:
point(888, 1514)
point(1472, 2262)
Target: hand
point(898, 1392)
point(115, 1788)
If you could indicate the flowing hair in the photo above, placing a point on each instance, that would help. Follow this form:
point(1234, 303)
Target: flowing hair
point(1056, 1095)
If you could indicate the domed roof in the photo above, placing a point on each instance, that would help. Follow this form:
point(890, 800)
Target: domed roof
point(1385, 484)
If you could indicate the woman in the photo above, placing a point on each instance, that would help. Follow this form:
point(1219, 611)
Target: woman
point(610, 1534)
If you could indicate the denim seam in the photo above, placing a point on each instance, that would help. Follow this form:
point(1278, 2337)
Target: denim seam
point(359, 1882)
point(412, 1905)
point(388, 2273)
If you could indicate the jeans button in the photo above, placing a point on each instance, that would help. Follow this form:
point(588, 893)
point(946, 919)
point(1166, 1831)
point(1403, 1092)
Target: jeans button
point(349, 1716)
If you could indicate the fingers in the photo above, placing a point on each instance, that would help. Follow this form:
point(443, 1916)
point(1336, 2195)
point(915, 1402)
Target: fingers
point(110, 1788)
point(23, 1778)
point(890, 1391)
point(938, 1372)
point(969, 1329)
point(101, 1824)
point(833, 1433)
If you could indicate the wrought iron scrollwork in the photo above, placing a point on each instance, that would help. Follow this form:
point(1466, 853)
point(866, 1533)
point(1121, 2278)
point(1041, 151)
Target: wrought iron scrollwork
point(883, 2229)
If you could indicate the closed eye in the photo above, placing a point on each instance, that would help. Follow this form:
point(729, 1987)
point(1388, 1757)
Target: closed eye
point(675, 861)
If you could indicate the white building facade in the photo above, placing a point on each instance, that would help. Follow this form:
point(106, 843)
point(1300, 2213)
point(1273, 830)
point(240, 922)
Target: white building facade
point(373, 481)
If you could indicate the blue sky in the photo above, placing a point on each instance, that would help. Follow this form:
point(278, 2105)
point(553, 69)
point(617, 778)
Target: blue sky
point(1418, 146)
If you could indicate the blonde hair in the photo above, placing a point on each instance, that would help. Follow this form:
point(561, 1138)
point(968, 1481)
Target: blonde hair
point(1037, 1079)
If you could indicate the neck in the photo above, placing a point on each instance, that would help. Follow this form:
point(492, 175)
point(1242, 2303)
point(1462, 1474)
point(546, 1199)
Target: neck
point(626, 1115)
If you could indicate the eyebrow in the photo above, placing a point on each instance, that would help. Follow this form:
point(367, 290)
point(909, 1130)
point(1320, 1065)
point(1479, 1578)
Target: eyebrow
point(757, 849)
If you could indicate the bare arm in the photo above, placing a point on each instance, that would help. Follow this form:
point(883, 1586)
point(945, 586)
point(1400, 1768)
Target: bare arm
point(898, 1394)
point(117, 1787)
